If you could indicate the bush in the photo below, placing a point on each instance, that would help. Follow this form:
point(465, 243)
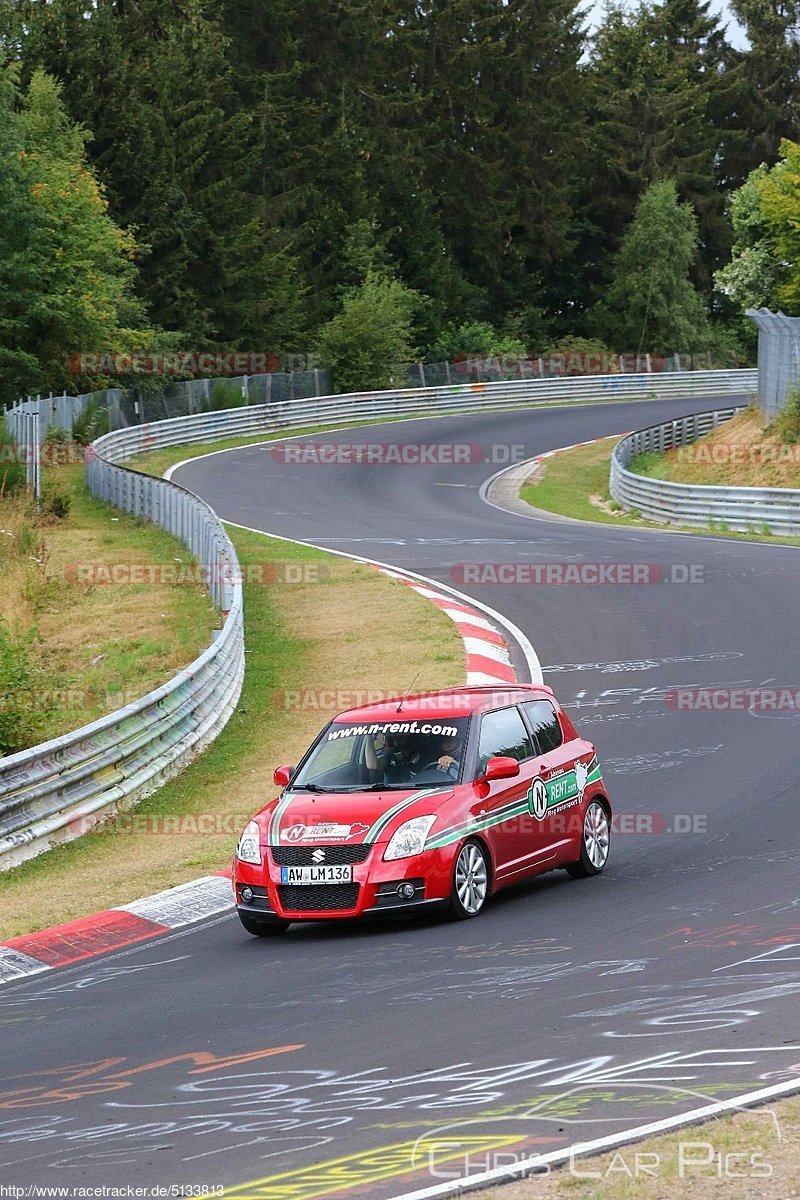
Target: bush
point(372, 332)
point(12, 470)
point(223, 393)
point(56, 500)
point(22, 694)
point(57, 434)
point(91, 424)
point(473, 338)
point(787, 422)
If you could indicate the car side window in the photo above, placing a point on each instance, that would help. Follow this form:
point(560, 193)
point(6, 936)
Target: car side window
point(503, 733)
point(545, 724)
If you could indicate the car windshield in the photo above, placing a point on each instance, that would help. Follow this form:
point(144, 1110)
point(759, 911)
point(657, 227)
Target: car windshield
point(386, 754)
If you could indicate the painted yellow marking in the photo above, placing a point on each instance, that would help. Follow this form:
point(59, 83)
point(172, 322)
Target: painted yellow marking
point(369, 1166)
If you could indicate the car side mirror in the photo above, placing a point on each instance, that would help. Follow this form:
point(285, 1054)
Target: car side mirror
point(282, 775)
point(501, 767)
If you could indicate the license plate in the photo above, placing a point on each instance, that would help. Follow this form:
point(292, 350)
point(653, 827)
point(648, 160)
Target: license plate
point(311, 875)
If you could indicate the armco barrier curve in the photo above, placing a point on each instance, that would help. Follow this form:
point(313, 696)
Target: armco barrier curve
point(54, 791)
point(259, 419)
point(740, 509)
point(47, 793)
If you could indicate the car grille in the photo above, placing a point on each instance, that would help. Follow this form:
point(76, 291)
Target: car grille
point(335, 856)
point(319, 898)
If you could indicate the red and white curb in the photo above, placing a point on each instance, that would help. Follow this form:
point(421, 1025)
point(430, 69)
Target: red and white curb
point(62, 945)
point(488, 656)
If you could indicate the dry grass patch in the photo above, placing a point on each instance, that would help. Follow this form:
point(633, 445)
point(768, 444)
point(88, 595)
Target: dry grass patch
point(354, 630)
point(95, 646)
point(744, 452)
point(739, 1157)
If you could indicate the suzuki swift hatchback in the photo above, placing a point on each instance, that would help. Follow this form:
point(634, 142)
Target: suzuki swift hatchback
point(438, 799)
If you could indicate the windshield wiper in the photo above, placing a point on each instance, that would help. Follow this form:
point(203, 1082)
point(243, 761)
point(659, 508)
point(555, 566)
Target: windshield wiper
point(310, 787)
point(397, 787)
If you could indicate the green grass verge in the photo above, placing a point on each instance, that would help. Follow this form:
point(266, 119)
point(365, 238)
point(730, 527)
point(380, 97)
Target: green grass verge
point(574, 483)
point(344, 643)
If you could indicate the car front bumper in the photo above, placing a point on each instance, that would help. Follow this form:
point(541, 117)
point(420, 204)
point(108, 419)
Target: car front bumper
point(377, 887)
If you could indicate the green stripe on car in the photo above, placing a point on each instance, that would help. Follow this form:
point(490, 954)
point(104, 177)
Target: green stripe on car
point(560, 790)
point(377, 829)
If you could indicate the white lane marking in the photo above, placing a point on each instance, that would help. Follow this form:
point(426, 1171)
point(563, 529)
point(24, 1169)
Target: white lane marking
point(600, 1145)
point(545, 518)
point(542, 405)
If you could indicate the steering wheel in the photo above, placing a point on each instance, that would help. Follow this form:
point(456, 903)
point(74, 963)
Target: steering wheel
point(451, 771)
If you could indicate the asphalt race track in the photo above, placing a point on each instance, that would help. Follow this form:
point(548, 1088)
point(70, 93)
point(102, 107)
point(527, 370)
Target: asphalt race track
point(568, 1009)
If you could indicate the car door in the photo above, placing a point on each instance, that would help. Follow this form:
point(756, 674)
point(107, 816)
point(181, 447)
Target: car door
point(555, 766)
point(503, 807)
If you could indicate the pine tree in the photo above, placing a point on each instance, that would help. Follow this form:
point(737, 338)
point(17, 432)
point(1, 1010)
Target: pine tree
point(767, 96)
point(87, 270)
point(658, 94)
point(156, 86)
point(503, 95)
point(652, 304)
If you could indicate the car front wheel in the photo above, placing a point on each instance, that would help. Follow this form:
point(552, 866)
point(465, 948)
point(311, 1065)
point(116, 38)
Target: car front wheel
point(470, 882)
point(595, 843)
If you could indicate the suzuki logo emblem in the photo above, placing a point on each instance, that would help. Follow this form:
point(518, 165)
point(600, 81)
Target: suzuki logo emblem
point(318, 856)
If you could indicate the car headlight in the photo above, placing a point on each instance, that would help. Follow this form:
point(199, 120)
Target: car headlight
point(409, 838)
point(249, 848)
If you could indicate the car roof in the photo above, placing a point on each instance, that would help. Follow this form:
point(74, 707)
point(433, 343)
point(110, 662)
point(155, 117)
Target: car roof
point(452, 702)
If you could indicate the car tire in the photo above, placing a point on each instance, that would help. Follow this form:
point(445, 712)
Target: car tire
point(470, 888)
point(595, 842)
point(263, 928)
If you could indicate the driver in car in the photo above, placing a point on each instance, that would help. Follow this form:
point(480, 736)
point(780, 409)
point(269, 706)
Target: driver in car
point(449, 755)
point(402, 756)
point(398, 756)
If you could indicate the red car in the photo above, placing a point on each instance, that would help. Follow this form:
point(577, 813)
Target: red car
point(438, 799)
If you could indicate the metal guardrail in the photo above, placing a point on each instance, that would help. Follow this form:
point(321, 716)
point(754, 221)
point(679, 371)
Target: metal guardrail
point(333, 410)
point(741, 509)
point(55, 791)
point(48, 793)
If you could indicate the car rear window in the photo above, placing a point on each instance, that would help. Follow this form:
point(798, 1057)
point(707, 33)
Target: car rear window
point(545, 724)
